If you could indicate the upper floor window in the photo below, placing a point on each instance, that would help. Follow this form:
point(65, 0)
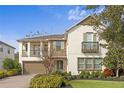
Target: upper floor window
point(25, 47)
point(1, 49)
point(58, 45)
point(89, 37)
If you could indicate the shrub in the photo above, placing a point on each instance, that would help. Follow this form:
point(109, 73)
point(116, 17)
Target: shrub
point(65, 77)
point(17, 66)
point(2, 74)
point(96, 74)
point(108, 72)
point(46, 81)
point(12, 64)
point(8, 63)
point(12, 72)
point(88, 74)
point(82, 74)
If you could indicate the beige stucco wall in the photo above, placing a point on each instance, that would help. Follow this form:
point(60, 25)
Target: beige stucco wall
point(74, 40)
point(5, 54)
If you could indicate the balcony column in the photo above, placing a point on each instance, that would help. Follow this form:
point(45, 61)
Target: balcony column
point(29, 48)
point(20, 52)
point(41, 48)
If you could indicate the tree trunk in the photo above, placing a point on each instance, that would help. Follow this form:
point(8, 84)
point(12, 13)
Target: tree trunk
point(117, 72)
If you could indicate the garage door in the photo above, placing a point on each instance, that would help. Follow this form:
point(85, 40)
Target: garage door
point(33, 68)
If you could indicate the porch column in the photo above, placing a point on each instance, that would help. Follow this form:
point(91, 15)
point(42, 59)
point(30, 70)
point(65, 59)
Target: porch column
point(29, 45)
point(41, 48)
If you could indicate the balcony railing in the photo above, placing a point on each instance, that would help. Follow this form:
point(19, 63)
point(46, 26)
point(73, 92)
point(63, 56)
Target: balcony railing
point(24, 53)
point(90, 47)
point(34, 53)
point(59, 53)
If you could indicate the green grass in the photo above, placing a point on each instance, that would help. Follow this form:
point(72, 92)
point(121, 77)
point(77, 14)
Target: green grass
point(96, 84)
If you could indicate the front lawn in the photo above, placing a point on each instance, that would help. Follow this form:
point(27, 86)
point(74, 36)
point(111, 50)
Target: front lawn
point(96, 84)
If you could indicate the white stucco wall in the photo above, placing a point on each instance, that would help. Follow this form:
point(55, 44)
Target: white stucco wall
point(5, 54)
point(74, 40)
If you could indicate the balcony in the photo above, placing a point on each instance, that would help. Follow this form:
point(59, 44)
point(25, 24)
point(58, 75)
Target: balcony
point(90, 47)
point(59, 53)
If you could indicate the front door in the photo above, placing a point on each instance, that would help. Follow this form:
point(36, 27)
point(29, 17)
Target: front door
point(59, 65)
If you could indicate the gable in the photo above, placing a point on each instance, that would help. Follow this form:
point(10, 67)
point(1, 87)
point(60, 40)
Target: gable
point(86, 21)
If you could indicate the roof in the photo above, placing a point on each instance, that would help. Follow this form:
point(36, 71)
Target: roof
point(47, 37)
point(80, 21)
point(7, 44)
point(55, 37)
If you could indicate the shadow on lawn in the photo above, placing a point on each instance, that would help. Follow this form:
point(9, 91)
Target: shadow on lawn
point(67, 86)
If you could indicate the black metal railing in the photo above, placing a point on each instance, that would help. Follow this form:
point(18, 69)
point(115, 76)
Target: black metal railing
point(90, 47)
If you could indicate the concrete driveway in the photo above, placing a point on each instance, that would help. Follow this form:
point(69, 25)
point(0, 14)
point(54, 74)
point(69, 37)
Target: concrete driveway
point(20, 81)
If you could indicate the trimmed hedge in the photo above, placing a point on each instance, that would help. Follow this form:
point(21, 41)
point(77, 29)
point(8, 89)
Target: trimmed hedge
point(7, 73)
point(90, 75)
point(46, 81)
point(12, 72)
point(2, 74)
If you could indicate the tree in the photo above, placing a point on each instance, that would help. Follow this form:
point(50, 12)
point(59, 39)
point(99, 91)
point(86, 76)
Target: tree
point(114, 58)
point(47, 59)
point(110, 27)
point(109, 23)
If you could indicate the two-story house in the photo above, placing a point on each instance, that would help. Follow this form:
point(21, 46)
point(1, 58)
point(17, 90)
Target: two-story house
point(6, 51)
point(76, 50)
point(32, 50)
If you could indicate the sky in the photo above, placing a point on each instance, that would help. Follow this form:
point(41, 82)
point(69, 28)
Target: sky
point(18, 21)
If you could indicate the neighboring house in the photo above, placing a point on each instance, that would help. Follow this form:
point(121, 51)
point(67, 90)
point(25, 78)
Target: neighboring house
point(6, 51)
point(78, 49)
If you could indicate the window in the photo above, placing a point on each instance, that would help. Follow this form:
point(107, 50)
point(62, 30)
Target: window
point(59, 65)
point(58, 45)
point(1, 49)
point(97, 64)
point(35, 50)
point(89, 37)
point(25, 47)
point(89, 64)
point(8, 51)
point(81, 63)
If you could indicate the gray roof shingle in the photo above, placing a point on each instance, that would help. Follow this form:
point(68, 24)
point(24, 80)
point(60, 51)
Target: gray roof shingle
point(48, 37)
point(7, 44)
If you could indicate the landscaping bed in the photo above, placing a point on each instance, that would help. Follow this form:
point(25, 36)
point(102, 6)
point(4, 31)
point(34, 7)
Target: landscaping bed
point(8, 73)
point(66, 80)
